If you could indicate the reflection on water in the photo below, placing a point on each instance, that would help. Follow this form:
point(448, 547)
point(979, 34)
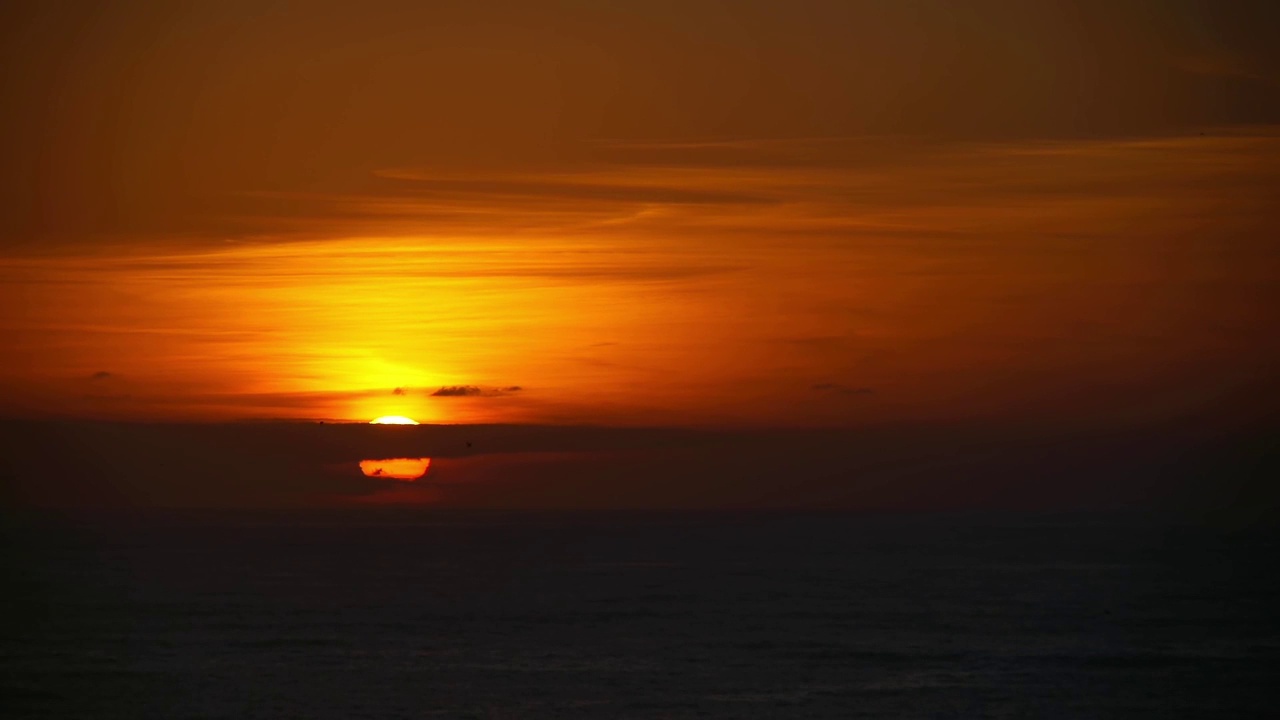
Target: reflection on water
point(396, 468)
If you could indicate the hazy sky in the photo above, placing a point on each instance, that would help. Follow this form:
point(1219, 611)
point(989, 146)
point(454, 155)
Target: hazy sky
point(688, 214)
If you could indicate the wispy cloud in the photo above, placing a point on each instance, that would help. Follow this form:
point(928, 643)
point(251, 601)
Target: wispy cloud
point(650, 192)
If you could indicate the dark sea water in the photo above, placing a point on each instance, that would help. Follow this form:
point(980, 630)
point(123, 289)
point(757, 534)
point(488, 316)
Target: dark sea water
point(392, 614)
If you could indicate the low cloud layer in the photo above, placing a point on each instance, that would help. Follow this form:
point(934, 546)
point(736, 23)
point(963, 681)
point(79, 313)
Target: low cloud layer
point(1191, 465)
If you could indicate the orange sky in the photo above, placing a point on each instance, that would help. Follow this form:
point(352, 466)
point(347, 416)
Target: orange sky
point(712, 214)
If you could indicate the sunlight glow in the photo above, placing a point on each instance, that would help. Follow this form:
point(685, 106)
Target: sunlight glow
point(407, 469)
point(393, 420)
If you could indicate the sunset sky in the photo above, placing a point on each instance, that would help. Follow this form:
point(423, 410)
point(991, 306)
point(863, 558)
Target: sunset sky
point(744, 216)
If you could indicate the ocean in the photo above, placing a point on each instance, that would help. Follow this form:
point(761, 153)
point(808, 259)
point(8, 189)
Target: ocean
point(392, 613)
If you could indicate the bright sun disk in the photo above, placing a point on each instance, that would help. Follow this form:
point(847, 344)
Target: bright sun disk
point(393, 420)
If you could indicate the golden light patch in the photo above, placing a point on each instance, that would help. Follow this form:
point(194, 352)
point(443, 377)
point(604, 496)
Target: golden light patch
point(408, 469)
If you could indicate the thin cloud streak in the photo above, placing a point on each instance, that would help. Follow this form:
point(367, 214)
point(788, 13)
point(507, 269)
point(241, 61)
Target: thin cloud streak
point(860, 186)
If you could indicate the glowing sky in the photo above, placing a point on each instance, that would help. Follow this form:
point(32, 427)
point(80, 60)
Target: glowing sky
point(764, 214)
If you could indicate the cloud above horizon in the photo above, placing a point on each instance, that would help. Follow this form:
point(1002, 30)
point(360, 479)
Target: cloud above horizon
point(474, 391)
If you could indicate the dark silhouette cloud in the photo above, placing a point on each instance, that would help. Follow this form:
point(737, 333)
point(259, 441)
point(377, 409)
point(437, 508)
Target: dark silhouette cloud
point(101, 375)
point(398, 391)
point(457, 391)
point(474, 391)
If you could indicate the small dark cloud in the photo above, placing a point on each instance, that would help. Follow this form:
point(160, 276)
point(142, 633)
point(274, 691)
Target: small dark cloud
point(101, 375)
point(457, 391)
point(398, 391)
point(474, 391)
point(838, 389)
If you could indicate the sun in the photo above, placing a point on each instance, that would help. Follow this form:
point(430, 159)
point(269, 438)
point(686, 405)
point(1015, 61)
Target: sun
point(393, 420)
point(407, 469)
